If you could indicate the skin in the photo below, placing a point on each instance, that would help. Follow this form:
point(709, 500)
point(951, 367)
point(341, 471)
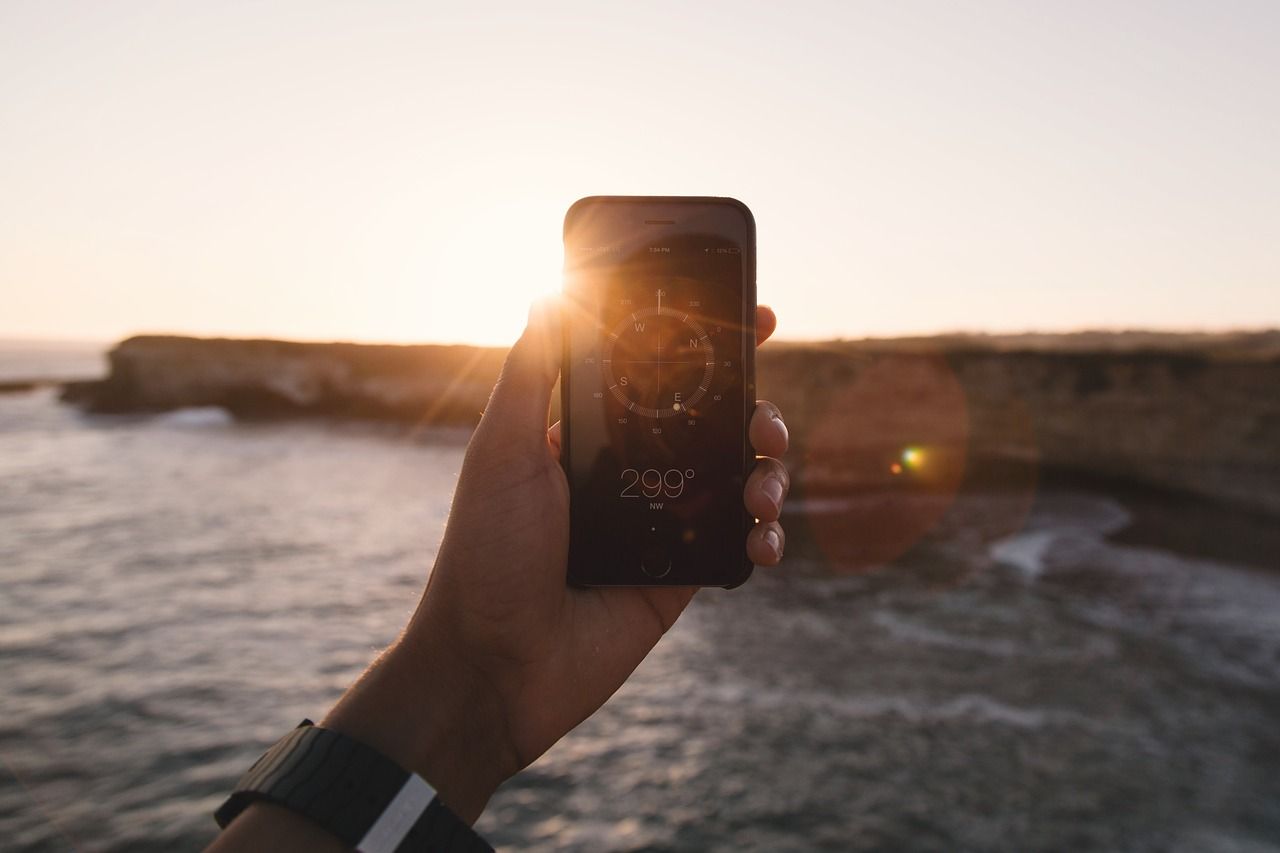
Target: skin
point(502, 658)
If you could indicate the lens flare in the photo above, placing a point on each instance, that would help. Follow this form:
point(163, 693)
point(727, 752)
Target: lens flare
point(913, 457)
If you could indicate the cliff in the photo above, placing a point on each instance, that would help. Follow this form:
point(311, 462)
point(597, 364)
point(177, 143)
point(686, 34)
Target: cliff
point(268, 379)
point(1193, 413)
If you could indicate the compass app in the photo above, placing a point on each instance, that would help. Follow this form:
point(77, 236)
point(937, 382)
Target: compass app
point(656, 448)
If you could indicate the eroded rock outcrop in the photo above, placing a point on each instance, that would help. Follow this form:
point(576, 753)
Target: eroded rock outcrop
point(1199, 414)
point(263, 378)
point(1204, 420)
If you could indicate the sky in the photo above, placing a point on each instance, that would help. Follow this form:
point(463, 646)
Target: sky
point(400, 171)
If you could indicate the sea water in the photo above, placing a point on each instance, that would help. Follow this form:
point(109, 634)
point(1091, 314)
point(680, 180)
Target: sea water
point(177, 591)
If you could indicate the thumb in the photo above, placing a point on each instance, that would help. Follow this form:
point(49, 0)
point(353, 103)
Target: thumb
point(520, 401)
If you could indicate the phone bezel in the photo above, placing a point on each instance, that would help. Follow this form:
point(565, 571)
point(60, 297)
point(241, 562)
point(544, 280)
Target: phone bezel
point(652, 208)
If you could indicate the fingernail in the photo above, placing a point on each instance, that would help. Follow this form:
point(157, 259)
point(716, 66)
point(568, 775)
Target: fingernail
point(772, 488)
point(782, 428)
point(774, 541)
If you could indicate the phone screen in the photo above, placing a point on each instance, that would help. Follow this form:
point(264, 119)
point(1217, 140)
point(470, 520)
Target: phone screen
point(658, 362)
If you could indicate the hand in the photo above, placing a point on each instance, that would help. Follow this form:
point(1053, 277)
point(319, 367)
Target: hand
point(502, 658)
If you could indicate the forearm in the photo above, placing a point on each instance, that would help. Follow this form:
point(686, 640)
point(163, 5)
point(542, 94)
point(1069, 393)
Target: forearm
point(423, 707)
point(418, 708)
point(264, 826)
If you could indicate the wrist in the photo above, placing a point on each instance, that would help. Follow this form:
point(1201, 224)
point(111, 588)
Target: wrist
point(425, 709)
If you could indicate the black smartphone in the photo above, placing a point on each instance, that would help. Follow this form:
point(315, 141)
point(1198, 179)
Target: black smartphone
point(657, 388)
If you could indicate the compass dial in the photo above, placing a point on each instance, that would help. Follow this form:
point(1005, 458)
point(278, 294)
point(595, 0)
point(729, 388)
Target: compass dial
point(658, 362)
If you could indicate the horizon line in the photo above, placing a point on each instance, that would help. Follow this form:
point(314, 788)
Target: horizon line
point(53, 340)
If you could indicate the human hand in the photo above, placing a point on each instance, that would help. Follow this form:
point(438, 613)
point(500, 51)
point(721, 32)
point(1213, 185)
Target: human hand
point(502, 657)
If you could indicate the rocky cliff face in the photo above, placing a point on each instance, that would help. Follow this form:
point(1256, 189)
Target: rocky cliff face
point(261, 378)
point(1205, 422)
point(1196, 414)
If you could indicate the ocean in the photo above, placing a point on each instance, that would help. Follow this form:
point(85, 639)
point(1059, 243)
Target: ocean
point(176, 591)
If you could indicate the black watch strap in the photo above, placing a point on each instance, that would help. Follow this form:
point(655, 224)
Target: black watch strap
point(364, 798)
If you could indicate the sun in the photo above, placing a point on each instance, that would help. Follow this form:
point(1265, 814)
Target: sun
point(484, 268)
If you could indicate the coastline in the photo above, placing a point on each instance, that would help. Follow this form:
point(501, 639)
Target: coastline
point(1189, 414)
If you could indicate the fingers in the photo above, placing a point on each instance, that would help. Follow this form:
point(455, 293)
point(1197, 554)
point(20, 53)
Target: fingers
point(518, 407)
point(769, 483)
point(766, 489)
point(765, 543)
point(767, 431)
point(766, 322)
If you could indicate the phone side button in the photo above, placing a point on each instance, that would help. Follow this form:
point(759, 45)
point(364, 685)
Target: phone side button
point(655, 563)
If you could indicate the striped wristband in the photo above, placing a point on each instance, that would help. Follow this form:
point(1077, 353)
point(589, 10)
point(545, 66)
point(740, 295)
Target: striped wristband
point(355, 792)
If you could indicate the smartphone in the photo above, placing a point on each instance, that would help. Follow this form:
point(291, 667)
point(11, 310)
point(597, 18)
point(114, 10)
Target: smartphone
point(657, 388)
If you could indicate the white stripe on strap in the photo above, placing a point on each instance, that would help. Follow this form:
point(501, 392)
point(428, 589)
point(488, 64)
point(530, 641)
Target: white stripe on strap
point(399, 817)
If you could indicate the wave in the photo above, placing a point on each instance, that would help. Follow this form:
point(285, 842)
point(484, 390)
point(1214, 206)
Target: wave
point(195, 417)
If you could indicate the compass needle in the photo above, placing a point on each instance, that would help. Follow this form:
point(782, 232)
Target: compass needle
point(657, 385)
point(665, 375)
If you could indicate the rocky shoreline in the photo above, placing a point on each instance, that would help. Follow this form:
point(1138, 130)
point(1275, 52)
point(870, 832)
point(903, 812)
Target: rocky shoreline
point(254, 379)
point(1197, 414)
